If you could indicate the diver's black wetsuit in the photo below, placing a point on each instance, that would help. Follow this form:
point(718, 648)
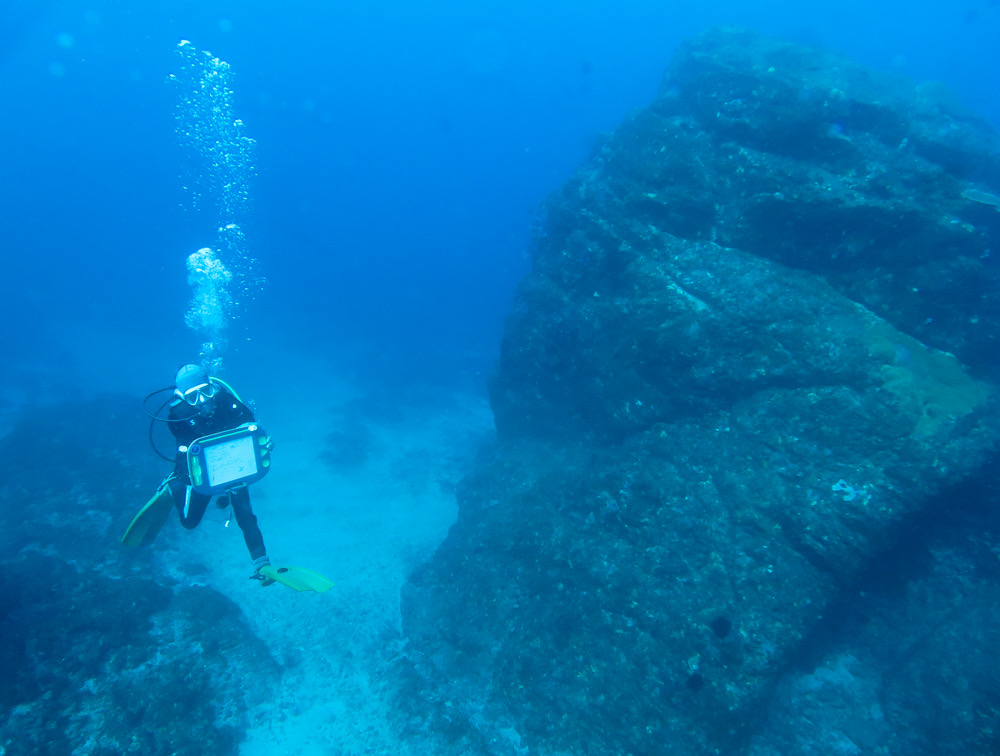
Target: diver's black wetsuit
point(189, 423)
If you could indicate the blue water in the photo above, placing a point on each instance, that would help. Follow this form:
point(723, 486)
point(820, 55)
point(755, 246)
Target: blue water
point(402, 150)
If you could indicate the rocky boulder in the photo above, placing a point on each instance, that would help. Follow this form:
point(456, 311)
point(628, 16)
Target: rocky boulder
point(757, 343)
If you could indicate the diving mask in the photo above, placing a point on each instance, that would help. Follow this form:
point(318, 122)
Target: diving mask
point(198, 394)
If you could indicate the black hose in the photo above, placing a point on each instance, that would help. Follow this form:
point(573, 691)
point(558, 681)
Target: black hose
point(154, 416)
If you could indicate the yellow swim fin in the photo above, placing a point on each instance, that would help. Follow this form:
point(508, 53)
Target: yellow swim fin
point(151, 517)
point(298, 578)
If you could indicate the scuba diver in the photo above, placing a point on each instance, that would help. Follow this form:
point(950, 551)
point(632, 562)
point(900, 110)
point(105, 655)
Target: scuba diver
point(203, 409)
point(220, 450)
point(203, 405)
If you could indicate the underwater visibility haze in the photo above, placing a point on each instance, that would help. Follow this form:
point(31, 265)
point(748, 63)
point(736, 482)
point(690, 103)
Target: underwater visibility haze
point(607, 378)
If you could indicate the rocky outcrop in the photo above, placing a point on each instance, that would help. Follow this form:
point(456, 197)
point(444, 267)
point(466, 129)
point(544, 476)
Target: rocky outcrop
point(758, 341)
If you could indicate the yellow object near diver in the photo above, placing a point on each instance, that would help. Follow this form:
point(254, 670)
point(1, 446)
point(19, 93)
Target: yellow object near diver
point(147, 523)
point(297, 578)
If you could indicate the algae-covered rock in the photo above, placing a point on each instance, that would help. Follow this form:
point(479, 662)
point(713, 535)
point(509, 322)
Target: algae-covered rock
point(758, 338)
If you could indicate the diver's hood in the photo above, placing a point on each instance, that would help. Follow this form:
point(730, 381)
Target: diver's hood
point(190, 376)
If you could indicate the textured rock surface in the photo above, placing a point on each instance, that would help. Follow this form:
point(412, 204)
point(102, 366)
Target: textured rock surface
point(758, 337)
point(906, 663)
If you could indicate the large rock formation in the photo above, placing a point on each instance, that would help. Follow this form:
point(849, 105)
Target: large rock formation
point(757, 344)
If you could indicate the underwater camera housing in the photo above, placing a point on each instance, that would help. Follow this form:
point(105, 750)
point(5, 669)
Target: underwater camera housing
point(228, 459)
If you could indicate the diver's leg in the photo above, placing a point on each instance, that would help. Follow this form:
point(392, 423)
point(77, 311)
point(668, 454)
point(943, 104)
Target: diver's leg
point(247, 520)
point(190, 506)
